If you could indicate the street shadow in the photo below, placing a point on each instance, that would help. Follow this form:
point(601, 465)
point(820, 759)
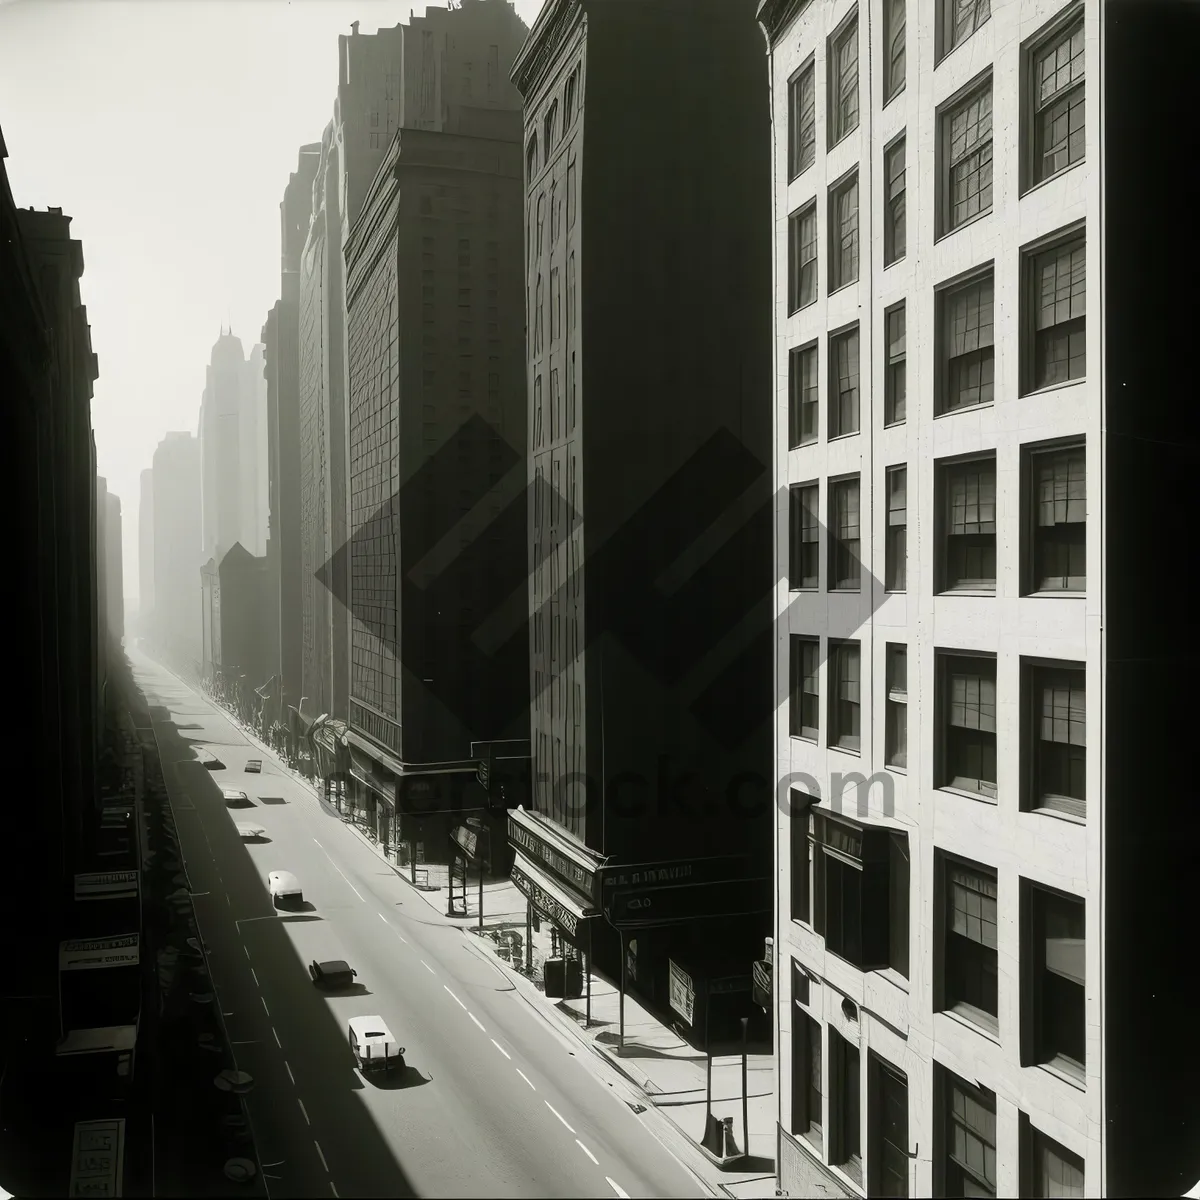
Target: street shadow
point(307, 1019)
point(757, 1163)
point(259, 839)
point(634, 1049)
point(242, 803)
point(396, 1081)
point(271, 800)
point(354, 989)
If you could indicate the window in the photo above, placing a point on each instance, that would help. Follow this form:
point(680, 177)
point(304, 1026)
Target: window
point(802, 257)
point(801, 824)
point(537, 319)
point(803, 396)
point(1053, 1019)
point(966, 148)
point(537, 412)
point(968, 724)
point(895, 381)
point(843, 81)
point(805, 704)
point(960, 19)
point(1047, 1169)
point(549, 131)
point(541, 224)
point(969, 512)
point(555, 305)
point(803, 565)
point(554, 210)
point(967, 351)
point(845, 1143)
point(969, 964)
point(844, 706)
point(894, 227)
point(967, 1138)
point(861, 882)
point(572, 200)
point(531, 159)
point(896, 735)
point(895, 567)
point(569, 99)
point(806, 1076)
point(1055, 344)
point(893, 39)
point(887, 1128)
point(843, 383)
point(844, 571)
point(1056, 700)
point(1057, 101)
point(802, 121)
point(843, 233)
point(1059, 520)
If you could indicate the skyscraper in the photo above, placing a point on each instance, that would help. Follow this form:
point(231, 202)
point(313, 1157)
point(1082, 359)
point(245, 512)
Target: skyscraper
point(146, 550)
point(178, 547)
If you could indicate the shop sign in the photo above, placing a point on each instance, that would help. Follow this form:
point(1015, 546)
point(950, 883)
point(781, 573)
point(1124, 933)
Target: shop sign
point(681, 871)
point(683, 992)
point(107, 885)
point(688, 902)
point(578, 876)
point(467, 840)
point(98, 1158)
point(729, 986)
point(760, 975)
point(554, 909)
point(92, 954)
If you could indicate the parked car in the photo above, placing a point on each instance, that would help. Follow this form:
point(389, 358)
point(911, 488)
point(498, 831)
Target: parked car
point(254, 766)
point(209, 760)
point(285, 889)
point(235, 798)
point(373, 1046)
point(333, 973)
point(249, 832)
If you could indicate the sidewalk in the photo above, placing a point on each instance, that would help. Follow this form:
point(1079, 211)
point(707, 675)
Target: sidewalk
point(668, 1072)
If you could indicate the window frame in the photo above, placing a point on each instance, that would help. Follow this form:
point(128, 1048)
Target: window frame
point(951, 963)
point(1033, 257)
point(800, 814)
point(799, 494)
point(800, 646)
point(807, 1037)
point(895, 549)
point(1032, 1141)
point(894, 198)
point(944, 780)
point(838, 338)
point(1032, 460)
point(892, 30)
point(893, 360)
point(1059, 28)
point(797, 263)
point(946, 43)
point(841, 652)
point(1036, 675)
point(798, 387)
point(802, 137)
point(845, 1106)
point(846, 32)
point(880, 1070)
point(946, 113)
point(945, 1169)
point(836, 543)
point(983, 277)
point(947, 472)
point(895, 701)
point(836, 237)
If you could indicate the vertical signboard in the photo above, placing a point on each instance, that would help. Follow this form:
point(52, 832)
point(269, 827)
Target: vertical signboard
point(98, 1158)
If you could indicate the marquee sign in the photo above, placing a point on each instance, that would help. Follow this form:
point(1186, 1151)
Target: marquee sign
point(546, 903)
point(568, 869)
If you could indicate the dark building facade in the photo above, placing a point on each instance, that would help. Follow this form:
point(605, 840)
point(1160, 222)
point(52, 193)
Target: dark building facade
point(177, 550)
point(145, 551)
point(436, 418)
point(648, 277)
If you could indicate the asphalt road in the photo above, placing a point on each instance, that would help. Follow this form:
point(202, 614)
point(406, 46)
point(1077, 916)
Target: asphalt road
point(494, 1102)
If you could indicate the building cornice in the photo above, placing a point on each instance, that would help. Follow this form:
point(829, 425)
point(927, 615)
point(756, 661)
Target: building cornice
point(775, 16)
point(555, 22)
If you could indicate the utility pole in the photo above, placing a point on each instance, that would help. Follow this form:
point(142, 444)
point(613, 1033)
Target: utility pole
point(745, 1089)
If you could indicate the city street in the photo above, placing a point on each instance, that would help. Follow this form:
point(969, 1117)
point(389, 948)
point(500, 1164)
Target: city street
point(493, 1102)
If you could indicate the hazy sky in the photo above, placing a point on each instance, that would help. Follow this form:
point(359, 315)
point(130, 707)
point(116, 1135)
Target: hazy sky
point(167, 130)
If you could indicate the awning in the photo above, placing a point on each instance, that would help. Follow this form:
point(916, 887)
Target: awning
point(555, 902)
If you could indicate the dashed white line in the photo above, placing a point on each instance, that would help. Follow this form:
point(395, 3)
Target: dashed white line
point(255, 974)
point(476, 1020)
point(303, 1110)
point(587, 1152)
point(502, 1049)
point(289, 1070)
point(616, 1188)
point(326, 1165)
point(332, 1188)
point(389, 925)
point(525, 1077)
point(339, 871)
point(455, 998)
point(247, 950)
point(277, 1041)
point(428, 967)
point(265, 1008)
point(558, 1115)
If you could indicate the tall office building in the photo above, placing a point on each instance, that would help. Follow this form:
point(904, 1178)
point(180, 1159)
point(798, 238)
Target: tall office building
point(647, 257)
point(146, 551)
point(178, 548)
point(966, 973)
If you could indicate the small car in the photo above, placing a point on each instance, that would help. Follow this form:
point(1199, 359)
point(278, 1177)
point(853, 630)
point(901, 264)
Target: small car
point(249, 832)
point(208, 760)
point(285, 889)
point(334, 973)
point(235, 798)
point(254, 766)
point(373, 1046)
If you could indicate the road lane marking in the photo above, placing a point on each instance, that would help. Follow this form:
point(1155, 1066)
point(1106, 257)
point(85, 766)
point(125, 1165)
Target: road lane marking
point(247, 950)
point(246, 1042)
point(277, 1041)
point(255, 974)
point(616, 1188)
point(339, 871)
point(332, 1188)
point(525, 1077)
point(455, 998)
point(319, 1151)
point(428, 967)
point(587, 1152)
point(304, 1111)
point(476, 1020)
point(558, 1115)
point(502, 1049)
point(389, 925)
point(265, 1008)
point(289, 1069)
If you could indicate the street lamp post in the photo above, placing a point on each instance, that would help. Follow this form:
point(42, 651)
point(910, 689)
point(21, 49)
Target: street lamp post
point(745, 1090)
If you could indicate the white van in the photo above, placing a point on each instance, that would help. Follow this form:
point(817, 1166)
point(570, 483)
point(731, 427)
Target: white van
point(373, 1046)
point(285, 889)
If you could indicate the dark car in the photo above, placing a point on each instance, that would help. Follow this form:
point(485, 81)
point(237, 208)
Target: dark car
point(332, 974)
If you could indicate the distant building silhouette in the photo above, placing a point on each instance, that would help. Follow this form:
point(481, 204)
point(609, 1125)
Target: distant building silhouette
point(177, 547)
point(146, 550)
